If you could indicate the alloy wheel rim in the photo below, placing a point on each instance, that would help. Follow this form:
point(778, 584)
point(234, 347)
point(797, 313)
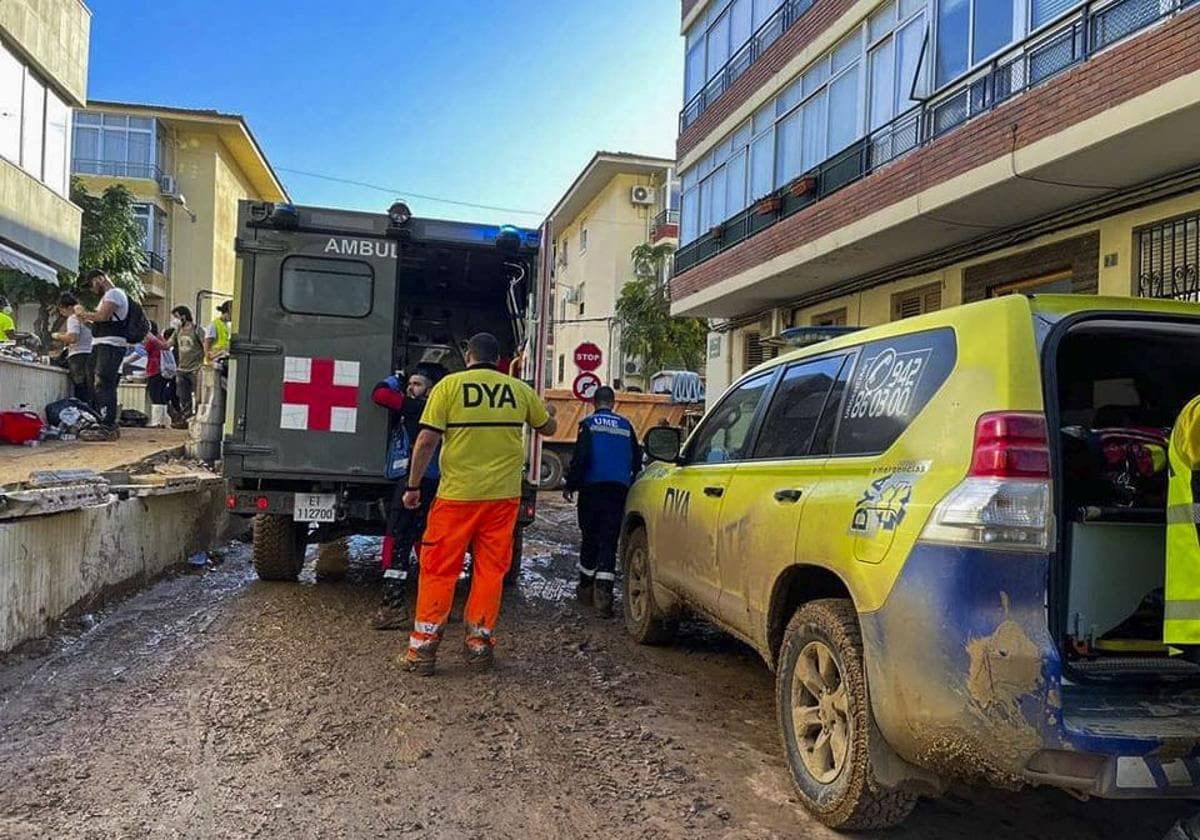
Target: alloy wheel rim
point(821, 712)
point(636, 584)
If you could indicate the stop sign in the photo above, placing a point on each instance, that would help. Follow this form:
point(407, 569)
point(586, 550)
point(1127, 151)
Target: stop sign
point(587, 356)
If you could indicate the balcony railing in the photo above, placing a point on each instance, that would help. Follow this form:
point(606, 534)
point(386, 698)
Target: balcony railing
point(156, 262)
point(742, 60)
point(116, 169)
point(1071, 40)
point(667, 217)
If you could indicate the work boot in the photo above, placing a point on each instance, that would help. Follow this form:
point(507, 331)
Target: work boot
point(584, 589)
point(392, 613)
point(100, 434)
point(478, 653)
point(604, 598)
point(421, 660)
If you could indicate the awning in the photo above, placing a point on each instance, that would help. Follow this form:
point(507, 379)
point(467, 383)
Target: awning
point(11, 258)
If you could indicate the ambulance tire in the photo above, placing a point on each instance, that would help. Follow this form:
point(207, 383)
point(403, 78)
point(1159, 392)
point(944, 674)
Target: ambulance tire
point(553, 471)
point(821, 681)
point(514, 568)
point(644, 621)
point(278, 551)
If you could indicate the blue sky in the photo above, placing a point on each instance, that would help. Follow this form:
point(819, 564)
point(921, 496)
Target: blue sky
point(497, 102)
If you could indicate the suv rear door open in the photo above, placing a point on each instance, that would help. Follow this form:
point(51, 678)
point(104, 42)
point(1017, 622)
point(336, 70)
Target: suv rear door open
point(317, 309)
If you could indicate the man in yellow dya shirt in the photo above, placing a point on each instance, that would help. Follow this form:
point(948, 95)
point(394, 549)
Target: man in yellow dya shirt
point(478, 416)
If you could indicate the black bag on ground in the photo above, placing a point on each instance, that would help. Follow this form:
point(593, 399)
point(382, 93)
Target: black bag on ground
point(131, 417)
point(54, 411)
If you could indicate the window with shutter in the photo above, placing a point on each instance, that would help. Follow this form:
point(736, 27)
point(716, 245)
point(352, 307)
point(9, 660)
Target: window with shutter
point(754, 352)
point(917, 301)
point(835, 318)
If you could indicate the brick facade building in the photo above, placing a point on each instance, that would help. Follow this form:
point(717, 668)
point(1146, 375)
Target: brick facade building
point(868, 159)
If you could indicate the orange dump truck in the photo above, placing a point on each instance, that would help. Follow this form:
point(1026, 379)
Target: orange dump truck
point(643, 410)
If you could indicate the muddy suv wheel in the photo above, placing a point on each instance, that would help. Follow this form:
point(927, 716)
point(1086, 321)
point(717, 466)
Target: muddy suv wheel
point(825, 720)
point(643, 619)
point(278, 547)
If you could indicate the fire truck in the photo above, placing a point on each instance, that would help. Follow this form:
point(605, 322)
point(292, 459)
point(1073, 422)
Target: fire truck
point(327, 304)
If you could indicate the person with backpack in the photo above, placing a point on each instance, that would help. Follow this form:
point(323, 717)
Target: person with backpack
point(115, 323)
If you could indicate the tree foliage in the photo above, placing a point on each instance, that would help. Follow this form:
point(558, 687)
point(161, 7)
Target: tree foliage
point(110, 239)
point(648, 330)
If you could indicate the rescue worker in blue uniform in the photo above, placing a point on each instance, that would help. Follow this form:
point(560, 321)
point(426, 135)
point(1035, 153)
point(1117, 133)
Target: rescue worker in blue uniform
point(606, 459)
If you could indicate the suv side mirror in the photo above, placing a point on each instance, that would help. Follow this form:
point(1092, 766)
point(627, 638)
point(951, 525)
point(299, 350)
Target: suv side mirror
point(663, 443)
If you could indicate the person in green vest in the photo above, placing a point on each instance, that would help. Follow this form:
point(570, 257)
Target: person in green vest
point(216, 337)
point(1181, 625)
point(6, 320)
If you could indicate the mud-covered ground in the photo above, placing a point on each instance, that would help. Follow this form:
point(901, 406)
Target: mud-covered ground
point(213, 705)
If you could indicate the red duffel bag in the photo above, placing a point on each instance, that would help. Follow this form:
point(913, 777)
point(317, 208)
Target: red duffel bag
point(19, 426)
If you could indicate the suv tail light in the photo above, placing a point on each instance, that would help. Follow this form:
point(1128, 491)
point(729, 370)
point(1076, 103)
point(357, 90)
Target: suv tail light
point(1004, 503)
point(1011, 445)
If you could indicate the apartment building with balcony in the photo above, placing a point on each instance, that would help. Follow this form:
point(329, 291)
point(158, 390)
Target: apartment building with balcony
point(187, 170)
point(860, 161)
point(617, 202)
point(43, 75)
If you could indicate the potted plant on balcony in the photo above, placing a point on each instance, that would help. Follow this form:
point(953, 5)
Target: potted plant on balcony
point(768, 204)
point(717, 232)
point(802, 186)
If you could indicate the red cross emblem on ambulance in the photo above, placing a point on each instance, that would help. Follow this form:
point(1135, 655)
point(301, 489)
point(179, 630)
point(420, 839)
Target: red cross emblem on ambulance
point(319, 395)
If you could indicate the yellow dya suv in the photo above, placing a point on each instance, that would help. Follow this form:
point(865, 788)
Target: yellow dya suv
point(946, 536)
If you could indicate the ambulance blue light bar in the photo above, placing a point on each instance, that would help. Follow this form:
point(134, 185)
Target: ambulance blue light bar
point(470, 234)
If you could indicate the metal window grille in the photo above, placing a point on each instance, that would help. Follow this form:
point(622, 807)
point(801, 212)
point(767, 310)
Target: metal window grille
point(1168, 259)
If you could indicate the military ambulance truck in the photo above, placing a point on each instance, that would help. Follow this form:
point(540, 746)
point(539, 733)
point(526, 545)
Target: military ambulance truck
point(327, 304)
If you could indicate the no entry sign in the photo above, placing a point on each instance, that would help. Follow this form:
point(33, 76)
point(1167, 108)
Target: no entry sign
point(585, 386)
point(588, 356)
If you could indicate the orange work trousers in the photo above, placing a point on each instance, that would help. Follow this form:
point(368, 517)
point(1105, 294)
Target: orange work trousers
point(452, 526)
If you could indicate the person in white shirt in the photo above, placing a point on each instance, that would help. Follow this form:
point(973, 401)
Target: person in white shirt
point(77, 336)
point(108, 351)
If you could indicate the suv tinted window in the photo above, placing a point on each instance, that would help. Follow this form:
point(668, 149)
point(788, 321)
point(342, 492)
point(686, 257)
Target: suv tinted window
point(893, 380)
point(725, 433)
point(787, 431)
point(319, 286)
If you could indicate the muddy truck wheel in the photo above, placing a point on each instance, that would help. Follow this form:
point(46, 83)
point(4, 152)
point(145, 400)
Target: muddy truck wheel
point(278, 547)
point(514, 569)
point(825, 720)
point(643, 619)
point(553, 470)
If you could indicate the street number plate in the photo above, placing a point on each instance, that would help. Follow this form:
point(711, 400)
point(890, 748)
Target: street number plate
point(315, 507)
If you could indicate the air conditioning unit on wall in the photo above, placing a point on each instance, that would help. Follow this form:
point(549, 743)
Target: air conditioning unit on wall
point(570, 294)
point(642, 195)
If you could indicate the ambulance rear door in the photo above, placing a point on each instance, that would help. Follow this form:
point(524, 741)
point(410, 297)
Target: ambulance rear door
point(314, 336)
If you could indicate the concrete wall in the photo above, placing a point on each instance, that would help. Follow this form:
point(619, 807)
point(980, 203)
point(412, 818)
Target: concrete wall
point(54, 563)
point(54, 35)
point(32, 385)
point(37, 218)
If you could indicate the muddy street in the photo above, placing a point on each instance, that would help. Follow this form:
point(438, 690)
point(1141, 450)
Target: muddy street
point(212, 705)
